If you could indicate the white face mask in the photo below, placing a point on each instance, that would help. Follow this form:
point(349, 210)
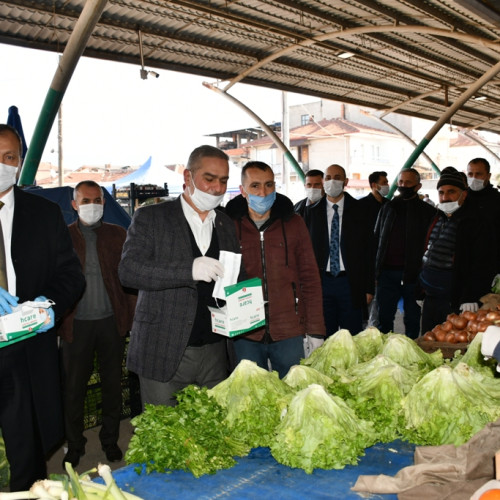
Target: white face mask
point(383, 190)
point(475, 184)
point(204, 201)
point(8, 175)
point(448, 207)
point(333, 187)
point(91, 213)
point(314, 194)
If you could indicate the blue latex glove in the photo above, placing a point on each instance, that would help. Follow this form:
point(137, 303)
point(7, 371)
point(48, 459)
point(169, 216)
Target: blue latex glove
point(50, 312)
point(7, 302)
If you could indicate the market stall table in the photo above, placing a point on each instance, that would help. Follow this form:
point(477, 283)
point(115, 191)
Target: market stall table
point(259, 476)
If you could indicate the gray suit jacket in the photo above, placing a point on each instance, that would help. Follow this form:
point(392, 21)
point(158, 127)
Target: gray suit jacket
point(157, 260)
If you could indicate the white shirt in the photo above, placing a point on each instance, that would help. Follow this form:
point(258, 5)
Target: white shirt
point(329, 217)
point(202, 230)
point(6, 217)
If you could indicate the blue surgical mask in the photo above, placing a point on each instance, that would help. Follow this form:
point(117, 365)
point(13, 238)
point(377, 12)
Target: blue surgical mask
point(261, 204)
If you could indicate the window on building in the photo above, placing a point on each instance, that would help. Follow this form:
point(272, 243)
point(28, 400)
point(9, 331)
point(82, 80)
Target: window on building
point(304, 119)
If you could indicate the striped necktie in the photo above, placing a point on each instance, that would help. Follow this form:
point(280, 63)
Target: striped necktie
point(3, 264)
point(334, 242)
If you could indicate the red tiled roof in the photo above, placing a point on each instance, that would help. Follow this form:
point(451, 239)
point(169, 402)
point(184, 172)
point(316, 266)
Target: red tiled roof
point(321, 130)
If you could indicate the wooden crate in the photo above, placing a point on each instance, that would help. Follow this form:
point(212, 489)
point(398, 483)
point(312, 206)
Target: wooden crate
point(447, 349)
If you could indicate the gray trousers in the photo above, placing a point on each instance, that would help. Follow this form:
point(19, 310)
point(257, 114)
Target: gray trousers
point(204, 366)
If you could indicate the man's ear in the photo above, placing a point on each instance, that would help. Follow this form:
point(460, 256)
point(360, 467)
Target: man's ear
point(73, 204)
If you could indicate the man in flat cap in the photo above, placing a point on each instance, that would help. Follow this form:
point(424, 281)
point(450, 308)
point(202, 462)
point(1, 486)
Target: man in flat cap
point(459, 261)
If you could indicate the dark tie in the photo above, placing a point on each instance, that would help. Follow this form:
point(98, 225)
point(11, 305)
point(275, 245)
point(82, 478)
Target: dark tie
point(334, 243)
point(3, 265)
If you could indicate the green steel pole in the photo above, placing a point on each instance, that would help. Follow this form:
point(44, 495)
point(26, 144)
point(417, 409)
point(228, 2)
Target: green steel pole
point(467, 94)
point(272, 135)
point(77, 42)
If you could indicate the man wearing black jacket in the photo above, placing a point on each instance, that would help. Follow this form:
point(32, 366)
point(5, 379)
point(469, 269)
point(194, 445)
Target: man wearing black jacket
point(401, 232)
point(457, 269)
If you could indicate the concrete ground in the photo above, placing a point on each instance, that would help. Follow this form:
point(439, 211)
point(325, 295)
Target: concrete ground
point(93, 453)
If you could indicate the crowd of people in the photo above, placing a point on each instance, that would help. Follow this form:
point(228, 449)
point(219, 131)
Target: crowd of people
point(327, 263)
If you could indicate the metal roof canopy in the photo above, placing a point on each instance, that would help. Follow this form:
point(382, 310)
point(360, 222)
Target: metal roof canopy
point(414, 57)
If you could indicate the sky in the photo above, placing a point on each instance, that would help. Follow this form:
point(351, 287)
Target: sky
point(111, 116)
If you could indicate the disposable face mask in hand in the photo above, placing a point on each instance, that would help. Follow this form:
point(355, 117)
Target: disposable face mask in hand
point(91, 213)
point(8, 175)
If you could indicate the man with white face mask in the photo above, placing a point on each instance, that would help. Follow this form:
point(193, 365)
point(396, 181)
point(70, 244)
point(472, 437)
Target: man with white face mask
point(456, 270)
point(372, 202)
point(40, 264)
point(343, 245)
point(171, 256)
point(96, 325)
point(314, 191)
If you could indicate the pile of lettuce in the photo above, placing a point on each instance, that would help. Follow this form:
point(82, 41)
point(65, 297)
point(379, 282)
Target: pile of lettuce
point(349, 394)
point(253, 399)
point(319, 430)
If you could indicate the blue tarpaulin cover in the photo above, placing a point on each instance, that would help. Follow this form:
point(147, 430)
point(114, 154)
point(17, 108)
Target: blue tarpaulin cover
point(259, 476)
point(113, 212)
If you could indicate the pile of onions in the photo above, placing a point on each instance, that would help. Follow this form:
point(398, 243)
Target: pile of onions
point(462, 328)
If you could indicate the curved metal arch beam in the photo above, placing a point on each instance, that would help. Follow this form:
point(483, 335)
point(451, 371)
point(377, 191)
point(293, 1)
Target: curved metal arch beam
point(362, 30)
point(272, 135)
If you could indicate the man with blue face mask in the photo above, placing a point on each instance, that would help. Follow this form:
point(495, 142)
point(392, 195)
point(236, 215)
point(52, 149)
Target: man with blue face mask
point(276, 247)
point(171, 255)
point(456, 270)
point(400, 234)
point(96, 326)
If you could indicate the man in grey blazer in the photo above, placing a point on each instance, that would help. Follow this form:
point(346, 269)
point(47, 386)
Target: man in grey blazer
point(171, 256)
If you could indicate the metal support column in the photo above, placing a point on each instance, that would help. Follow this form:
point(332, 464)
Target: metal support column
point(77, 42)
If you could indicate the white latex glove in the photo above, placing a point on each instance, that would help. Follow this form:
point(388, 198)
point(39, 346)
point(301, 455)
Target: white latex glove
point(420, 303)
point(491, 338)
point(207, 269)
point(311, 344)
point(469, 306)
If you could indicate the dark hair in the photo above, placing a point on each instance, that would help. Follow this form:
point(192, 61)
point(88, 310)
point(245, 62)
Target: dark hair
point(4, 128)
point(315, 173)
point(88, 184)
point(413, 171)
point(254, 164)
point(375, 176)
point(482, 161)
point(204, 151)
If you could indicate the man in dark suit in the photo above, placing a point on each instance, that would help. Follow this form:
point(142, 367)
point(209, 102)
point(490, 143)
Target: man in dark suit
point(346, 260)
point(41, 265)
point(171, 256)
point(314, 191)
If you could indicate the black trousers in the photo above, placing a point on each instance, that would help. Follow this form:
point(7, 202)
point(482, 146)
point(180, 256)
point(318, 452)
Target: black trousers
point(17, 419)
point(89, 338)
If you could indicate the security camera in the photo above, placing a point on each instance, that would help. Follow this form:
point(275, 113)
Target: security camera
point(154, 73)
point(144, 74)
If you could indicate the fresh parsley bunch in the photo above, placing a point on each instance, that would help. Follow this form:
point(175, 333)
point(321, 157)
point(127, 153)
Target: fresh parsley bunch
point(190, 436)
